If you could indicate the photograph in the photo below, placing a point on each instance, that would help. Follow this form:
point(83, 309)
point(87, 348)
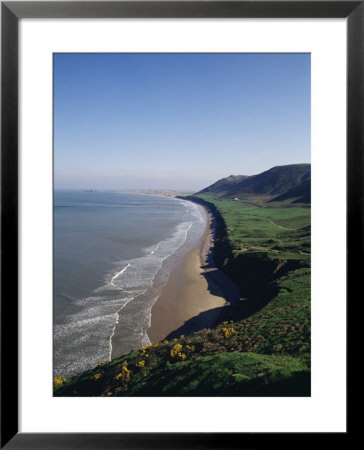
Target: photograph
point(181, 224)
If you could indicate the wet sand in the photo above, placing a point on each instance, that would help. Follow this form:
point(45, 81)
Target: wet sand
point(195, 290)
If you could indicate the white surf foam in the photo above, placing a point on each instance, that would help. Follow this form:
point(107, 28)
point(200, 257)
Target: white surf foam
point(117, 275)
point(143, 270)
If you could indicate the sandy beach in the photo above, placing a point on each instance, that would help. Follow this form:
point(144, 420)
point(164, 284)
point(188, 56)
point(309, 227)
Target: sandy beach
point(195, 294)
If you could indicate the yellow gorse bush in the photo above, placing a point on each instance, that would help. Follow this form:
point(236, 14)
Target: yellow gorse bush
point(58, 381)
point(97, 376)
point(124, 375)
point(228, 332)
point(144, 350)
point(140, 363)
point(176, 352)
point(102, 363)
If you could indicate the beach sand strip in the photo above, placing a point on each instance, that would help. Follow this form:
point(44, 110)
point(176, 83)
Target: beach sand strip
point(194, 286)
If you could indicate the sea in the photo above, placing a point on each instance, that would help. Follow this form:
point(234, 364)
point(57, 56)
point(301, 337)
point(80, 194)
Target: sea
point(112, 255)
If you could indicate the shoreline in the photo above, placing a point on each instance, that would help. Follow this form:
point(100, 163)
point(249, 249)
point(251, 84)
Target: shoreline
point(196, 293)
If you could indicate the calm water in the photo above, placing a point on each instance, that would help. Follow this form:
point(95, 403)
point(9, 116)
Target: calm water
point(113, 253)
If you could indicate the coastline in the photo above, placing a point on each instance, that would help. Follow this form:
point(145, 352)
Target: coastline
point(196, 292)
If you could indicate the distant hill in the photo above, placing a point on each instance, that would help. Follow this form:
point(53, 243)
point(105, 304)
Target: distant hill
point(223, 186)
point(281, 183)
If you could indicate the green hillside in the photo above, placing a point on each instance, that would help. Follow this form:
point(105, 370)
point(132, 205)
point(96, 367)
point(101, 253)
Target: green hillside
point(261, 347)
point(289, 182)
point(223, 186)
point(298, 194)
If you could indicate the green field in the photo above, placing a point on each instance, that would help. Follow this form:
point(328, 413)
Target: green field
point(263, 346)
point(279, 231)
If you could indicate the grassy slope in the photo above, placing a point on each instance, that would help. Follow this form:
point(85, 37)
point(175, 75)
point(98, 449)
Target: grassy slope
point(264, 350)
point(289, 179)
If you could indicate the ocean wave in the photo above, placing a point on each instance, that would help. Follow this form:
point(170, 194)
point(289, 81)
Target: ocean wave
point(86, 336)
point(142, 271)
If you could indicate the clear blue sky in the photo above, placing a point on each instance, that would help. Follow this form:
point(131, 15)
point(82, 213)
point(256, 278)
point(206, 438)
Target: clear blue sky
point(177, 121)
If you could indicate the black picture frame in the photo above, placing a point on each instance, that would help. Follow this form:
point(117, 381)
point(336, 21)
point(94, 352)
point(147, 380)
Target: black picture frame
point(11, 12)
